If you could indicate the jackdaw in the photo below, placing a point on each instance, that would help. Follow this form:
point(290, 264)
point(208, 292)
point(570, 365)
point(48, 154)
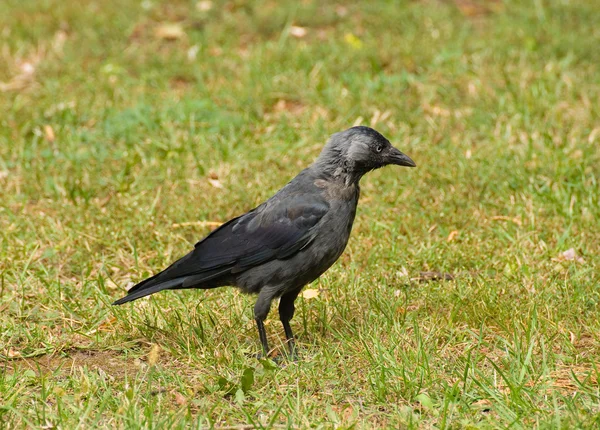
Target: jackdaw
point(277, 248)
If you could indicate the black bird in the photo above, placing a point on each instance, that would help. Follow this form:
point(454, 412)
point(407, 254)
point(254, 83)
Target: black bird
point(277, 248)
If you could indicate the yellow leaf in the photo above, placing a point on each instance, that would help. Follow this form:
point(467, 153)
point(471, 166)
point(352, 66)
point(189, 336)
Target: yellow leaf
point(49, 133)
point(310, 293)
point(169, 32)
point(153, 355)
point(353, 41)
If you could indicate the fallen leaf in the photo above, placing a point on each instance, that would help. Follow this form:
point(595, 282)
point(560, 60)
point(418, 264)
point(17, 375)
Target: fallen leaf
point(179, 398)
point(569, 255)
point(348, 414)
point(291, 106)
point(298, 32)
point(153, 355)
point(515, 220)
point(452, 235)
point(483, 404)
point(310, 293)
point(215, 183)
point(353, 41)
point(49, 133)
point(12, 353)
point(170, 31)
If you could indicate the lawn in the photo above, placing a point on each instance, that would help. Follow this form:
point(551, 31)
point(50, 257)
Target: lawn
point(468, 296)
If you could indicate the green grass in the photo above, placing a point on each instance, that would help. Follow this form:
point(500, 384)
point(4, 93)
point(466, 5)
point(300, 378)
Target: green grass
point(109, 134)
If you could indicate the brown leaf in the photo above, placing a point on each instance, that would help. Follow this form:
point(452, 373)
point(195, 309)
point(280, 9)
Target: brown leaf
point(515, 220)
point(179, 398)
point(12, 353)
point(291, 106)
point(569, 255)
point(452, 235)
point(483, 404)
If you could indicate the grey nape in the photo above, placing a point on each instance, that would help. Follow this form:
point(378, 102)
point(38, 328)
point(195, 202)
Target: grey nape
point(277, 248)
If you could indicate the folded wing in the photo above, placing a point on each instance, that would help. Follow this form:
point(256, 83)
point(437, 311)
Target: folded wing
point(277, 229)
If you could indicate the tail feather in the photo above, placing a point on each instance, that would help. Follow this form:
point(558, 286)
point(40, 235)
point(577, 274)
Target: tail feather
point(149, 289)
point(155, 284)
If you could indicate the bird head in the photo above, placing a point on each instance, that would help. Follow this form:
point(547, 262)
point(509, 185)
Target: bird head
point(358, 150)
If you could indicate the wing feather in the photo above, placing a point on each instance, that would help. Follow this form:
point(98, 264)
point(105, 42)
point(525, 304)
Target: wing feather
point(275, 230)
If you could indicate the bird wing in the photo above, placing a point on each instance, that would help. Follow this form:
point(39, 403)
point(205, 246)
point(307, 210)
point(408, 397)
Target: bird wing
point(277, 229)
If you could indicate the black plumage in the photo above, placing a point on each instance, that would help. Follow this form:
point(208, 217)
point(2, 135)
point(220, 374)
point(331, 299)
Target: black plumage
point(288, 241)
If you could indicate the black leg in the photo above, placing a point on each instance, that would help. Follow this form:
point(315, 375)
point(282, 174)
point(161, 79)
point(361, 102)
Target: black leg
point(261, 310)
point(290, 339)
point(262, 334)
point(286, 313)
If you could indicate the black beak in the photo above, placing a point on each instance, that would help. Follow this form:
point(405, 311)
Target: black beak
point(400, 159)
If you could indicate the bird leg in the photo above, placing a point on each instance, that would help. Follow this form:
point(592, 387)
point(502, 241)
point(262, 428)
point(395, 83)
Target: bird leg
point(261, 310)
point(286, 313)
point(262, 334)
point(290, 339)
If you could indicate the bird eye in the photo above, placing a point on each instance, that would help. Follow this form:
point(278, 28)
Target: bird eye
point(379, 148)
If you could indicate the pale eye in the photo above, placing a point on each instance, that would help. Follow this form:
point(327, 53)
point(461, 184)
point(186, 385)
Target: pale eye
point(378, 148)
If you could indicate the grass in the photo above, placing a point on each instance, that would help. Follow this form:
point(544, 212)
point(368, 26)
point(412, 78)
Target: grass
point(127, 126)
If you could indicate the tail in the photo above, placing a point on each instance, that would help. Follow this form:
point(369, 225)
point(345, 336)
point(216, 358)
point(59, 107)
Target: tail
point(147, 287)
point(161, 281)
